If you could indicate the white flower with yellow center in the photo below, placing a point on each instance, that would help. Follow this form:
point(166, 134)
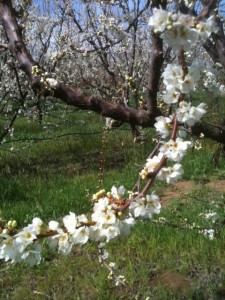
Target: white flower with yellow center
point(152, 204)
point(180, 35)
point(110, 232)
point(152, 163)
point(171, 96)
point(104, 217)
point(189, 114)
point(81, 235)
point(175, 150)
point(145, 207)
point(9, 249)
point(25, 238)
point(205, 28)
point(159, 19)
point(171, 174)
point(163, 126)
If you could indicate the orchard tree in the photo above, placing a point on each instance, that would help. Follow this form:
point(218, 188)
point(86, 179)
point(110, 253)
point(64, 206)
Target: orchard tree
point(130, 61)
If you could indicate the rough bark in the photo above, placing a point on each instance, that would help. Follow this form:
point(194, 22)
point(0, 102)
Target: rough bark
point(155, 71)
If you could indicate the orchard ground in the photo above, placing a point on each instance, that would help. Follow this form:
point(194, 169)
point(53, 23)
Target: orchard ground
point(52, 168)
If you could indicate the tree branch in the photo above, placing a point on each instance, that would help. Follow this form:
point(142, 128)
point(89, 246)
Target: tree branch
point(156, 62)
point(155, 66)
point(214, 132)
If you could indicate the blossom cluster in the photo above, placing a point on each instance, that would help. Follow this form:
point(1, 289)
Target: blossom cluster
point(107, 222)
point(213, 81)
point(176, 82)
point(175, 148)
point(179, 81)
point(179, 30)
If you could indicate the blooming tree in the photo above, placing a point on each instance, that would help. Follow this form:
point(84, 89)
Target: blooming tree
point(174, 27)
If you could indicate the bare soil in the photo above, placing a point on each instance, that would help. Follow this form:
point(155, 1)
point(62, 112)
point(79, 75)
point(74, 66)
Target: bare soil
point(185, 187)
point(175, 281)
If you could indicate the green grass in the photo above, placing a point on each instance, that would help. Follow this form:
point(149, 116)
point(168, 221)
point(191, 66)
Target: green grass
point(54, 170)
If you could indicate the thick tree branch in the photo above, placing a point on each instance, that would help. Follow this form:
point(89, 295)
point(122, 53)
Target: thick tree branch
point(14, 35)
point(78, 98)
point(216, 133)
point(155, 66)
point(156, 62)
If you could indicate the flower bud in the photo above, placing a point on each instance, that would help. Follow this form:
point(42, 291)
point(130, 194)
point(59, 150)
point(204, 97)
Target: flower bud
point(10, 224)
point(14, 224)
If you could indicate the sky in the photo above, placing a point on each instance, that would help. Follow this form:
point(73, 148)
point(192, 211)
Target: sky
point(79, 2)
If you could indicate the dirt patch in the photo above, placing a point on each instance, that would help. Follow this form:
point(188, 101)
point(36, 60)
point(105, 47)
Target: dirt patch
point(175, 281)
point(185, 187)
point(177, 190)
point(218, 185)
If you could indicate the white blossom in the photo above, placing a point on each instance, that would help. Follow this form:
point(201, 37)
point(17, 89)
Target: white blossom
point(126, 225)
point(171, 96)
point(37, 226)
point(213, 216)
point(64, 243)
point(159, 19)
point(145, 207)
point(175, 150)
point(117, 193)
point(110, 232)
point(81, 235)
point(70, 222)
point(209, 233)
point(104, 217)
point(189, 114)
point(52, 82)
point(171, 174)
point(32, 256)
point(179, 36)
point(152, 163)
point(205, 28)
point(9, 249)
point(163, 126)
point(53, 225)
point(171, 75)
point(24, 238)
